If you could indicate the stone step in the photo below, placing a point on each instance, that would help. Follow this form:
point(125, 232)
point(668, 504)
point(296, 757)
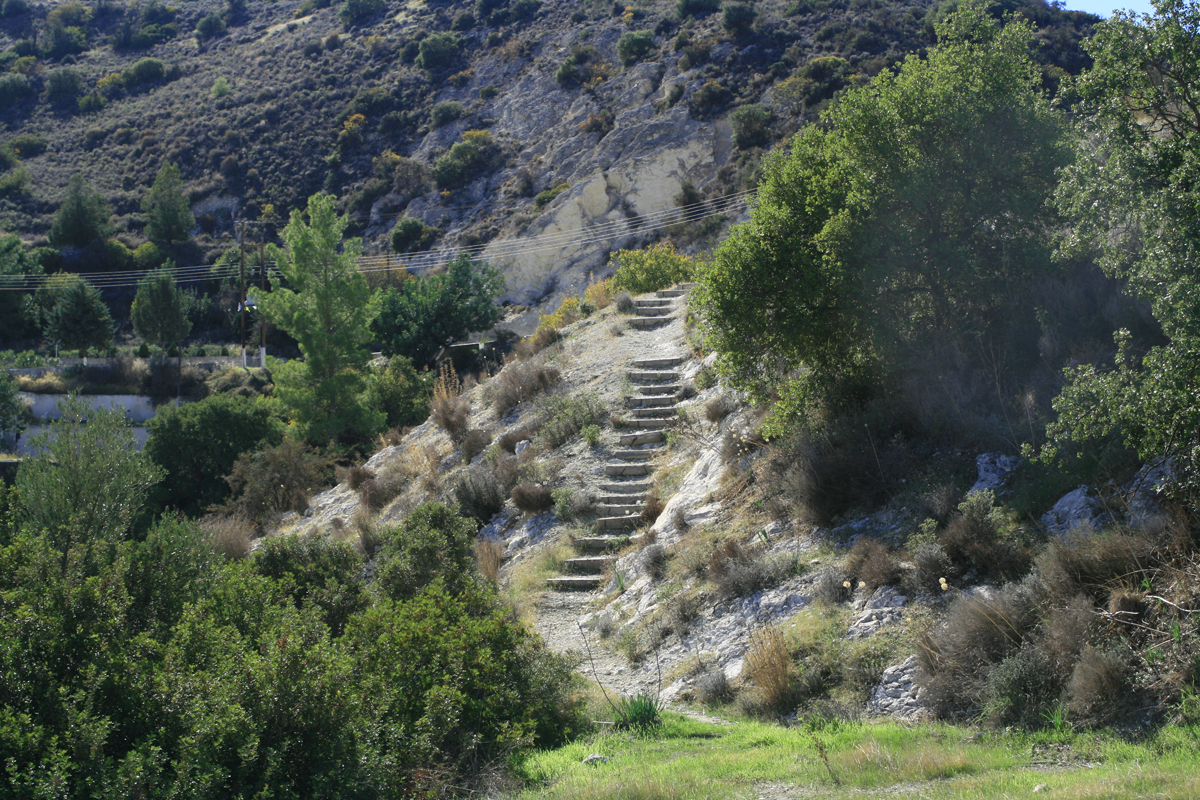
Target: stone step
point(654, 362)
point(666, 388)
point(612, 510)
point(648, 322)
point(652, 401)
point(590, 565)
point(653, 413)
point(642, 437)
point(627, 487)
point(653, 302)
point(598, 544)
point(670, 293)
point(613, 470)
point(617, 523)
point(651, 376)
point(653, 311)
point(686, 285)
point(656, 424)
point(576, 583)
point(646, 454)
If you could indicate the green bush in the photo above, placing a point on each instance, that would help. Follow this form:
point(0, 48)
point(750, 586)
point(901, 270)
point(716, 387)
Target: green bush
point(64, 84)
point(737, 18)
point(543, 198)
point(14, 8)
point(438, 52)
point(411, 235)
point(356, 10)
point(147, 70)
point(401, 392)
point(697, 8)
point(751, 125)
point(13, 89)
point(198, 443)
point(445, 112)
point(581, 66)
point(466, 160)
point(567, 415)
point(633, 46)
point(315, 571)
point(656, 267)
point(26, 145)
point(210, 26)
point(433, 543)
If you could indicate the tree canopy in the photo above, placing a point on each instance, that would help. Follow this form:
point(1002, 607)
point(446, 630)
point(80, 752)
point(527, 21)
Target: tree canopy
point(82, 218)
point(159, 311)
point(15, 265)
point(168, 215)
point(1131, 195)
point(915, 212)
point(427, 313)
point(80, 319)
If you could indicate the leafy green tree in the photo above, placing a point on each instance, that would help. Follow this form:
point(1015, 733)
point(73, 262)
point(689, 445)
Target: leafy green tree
point(633, 46)
point(210, 26)
point(12, 417)
point(1131, 197)
point(198, 443)
point(82, 218)
point(751, 125)
point(438, 51)
point(86, 478)
point(327, 307)
point(428, 313)
point(655, 267)
point(915, 215)
point(159, 312)
point(354, 10)
point(411, 235)
point(80, 319)
point(168, 215)
point(15, 265)
point(433, 543)
point(401, 393)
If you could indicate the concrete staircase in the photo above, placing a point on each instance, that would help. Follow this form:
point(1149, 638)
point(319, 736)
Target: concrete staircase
point(650, 412)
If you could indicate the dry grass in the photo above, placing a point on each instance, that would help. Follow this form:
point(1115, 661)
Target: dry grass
point(719, 408)
point(229, 535)
point(532, 498)
point(448, 409)
point(769, 667)
point(423, 463)
point(473, 443)
point(489, 556)
point(870, 566)
point(520, 381)
point(532, 345)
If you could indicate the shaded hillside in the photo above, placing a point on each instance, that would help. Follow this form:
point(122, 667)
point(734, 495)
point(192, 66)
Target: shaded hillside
point(591, 114)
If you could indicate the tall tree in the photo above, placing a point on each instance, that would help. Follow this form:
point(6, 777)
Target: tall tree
point(168, 215)
point(914, 214)
point(425, 314)
point(86, 478)
point(327, 307)
point(16, 317)
point(159, 311)
point(80, 319)
point(82, 218)
point(1132, 196)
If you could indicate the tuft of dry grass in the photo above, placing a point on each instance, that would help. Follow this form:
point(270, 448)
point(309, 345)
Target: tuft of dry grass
point(473, 443)
point(489, 556)
point(719, 408)
point(651, 510)
point(870, 565)
point(520, 381)
point(229, 535)
point(448, 409)
point(769, 667)
point(423, 463)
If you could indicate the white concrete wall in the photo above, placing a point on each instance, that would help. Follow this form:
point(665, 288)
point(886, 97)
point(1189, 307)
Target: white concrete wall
point(137, 408)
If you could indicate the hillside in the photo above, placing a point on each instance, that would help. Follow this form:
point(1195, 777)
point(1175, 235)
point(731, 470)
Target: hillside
point(586, 138)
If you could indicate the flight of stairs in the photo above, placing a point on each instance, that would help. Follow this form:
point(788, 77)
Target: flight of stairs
point(650, 412)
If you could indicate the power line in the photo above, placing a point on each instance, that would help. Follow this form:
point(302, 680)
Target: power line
point(505, 249)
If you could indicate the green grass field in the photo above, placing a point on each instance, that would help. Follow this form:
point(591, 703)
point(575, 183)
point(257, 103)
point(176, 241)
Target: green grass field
point(694, 760)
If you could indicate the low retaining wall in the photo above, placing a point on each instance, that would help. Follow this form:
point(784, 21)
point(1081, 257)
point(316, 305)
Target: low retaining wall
point(138, 408)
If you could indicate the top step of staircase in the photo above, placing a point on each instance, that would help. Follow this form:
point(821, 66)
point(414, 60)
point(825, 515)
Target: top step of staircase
point(655, 362)
point(671, 292)
point(652, 302)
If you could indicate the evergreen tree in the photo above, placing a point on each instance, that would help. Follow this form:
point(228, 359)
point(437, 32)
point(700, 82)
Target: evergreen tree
point(82, 218)
point(15, 264)
point(159, 314)
point(168, 216)
point(80, 319)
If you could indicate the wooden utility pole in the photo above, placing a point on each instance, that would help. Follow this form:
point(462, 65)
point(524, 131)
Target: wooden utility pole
point(262, 318)
point(242, 304)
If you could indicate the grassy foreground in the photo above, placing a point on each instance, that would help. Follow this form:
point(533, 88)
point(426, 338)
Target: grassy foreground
point(689, 759)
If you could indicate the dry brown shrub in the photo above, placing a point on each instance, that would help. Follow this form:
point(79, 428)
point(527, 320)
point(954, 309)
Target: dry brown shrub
point(624, 302)
point(479, 493)
point(508, 441)
point(229, 535)
point(354, 476)
point(393, 437)
point(651, 510)
point(869, 564)
point(520, 381)
point(719, 408)
point(738, 572)
point(1085, 562)
point(539, 341)
point(448, 408)
point(1097, 685)
point(769, 668)
point(423, 463)
point(369, 537)
point(532, 498)
point(473, 443)
point(377, 492)
point(489, 556)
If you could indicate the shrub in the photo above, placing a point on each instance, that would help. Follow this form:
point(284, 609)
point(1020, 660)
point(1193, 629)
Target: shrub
point(570, 504)
point(411, 235)
point(930, 565)
point(719, 408)
point(274, 479)
point(437, 52)
point(14, 8)
point(737, 18)
point(488, 92)
point(353, 11)
point(473, 443)
point(445, 112)
point(591, 435)
point(63, 84)
point(751, 125)
point(464, 161)
point(769, 668)
point(532, 498)
point(26, 145)
point(624, 302)
point(520, 381)
point(869, 564)
point(583, 66)
point(432, 543)
point(229, 535)
point(1018, 689)
point(656, 267)
point(489, 557)
point(13, 89)
point(147, 70)
point(315, 571)
point(1093, 564)
point(1097, 685)
point(546, 197)
point(697, 8)
point(651, 510)
point(567, 415)
point(831, 587)
point(713, 687)
point(449, 410)
point(738, 573)
point(633, 46)
point(221, 88)
point(972, 540)
point(210, 26)
point(479, 493)
point(709, 98)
